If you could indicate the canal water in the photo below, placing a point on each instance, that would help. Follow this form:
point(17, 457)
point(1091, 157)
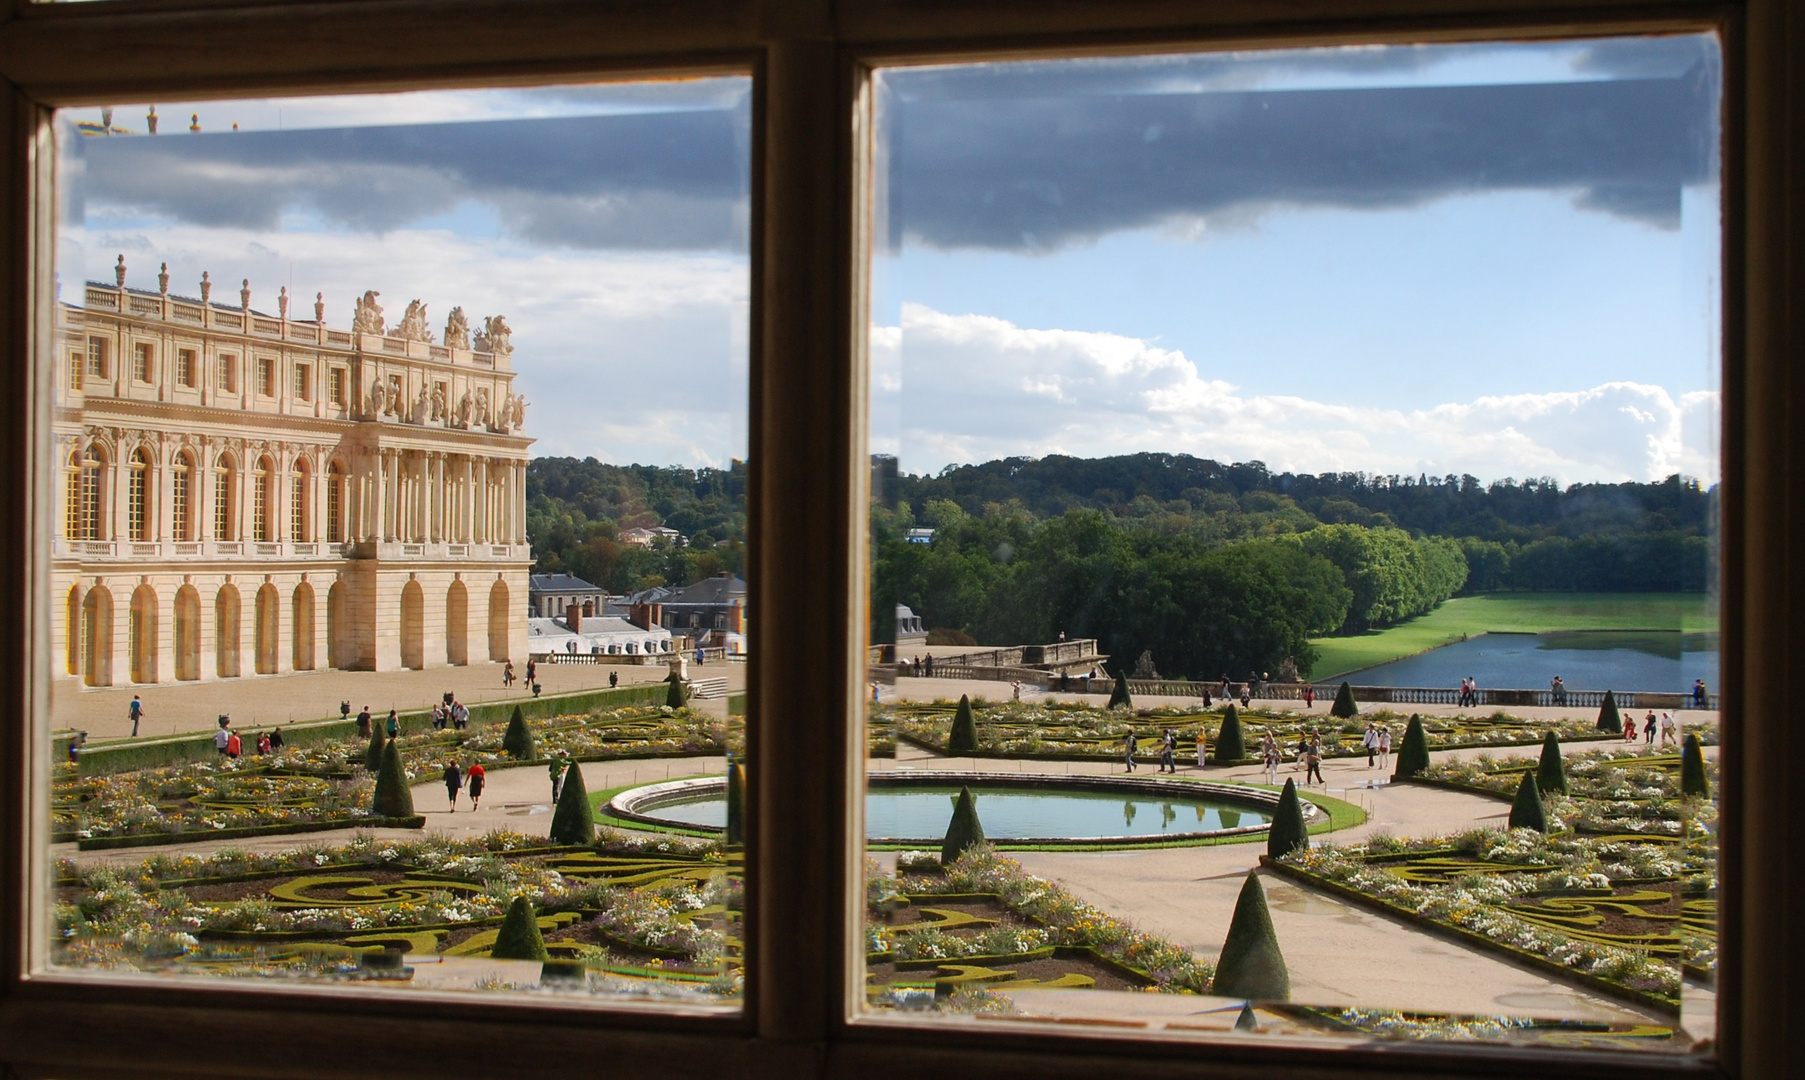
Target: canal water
point(1632, 660)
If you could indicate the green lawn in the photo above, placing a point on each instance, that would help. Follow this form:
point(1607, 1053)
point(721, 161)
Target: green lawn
point(1522, 612)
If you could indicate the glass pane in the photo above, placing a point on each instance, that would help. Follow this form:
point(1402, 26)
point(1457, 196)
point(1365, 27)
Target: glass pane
point(391, 565)
point(1283, 462)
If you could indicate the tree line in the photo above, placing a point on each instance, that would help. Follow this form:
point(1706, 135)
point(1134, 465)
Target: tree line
point(576, 510)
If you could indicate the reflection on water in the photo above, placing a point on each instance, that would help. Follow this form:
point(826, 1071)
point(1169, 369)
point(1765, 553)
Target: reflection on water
point(1646, 660)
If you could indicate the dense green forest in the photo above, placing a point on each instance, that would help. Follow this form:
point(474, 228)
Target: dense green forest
point(1213, 568)
point(577, 509)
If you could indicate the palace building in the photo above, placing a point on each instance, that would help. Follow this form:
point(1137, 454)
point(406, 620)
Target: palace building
point(242, 493)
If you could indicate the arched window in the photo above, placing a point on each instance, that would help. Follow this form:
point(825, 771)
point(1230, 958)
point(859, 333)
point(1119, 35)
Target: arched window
point(298, 524)
point(335, 504)
point(181, 476)
point(137, 501)
point(225, 483)
point(260, 503)
point(93, 475)
point(72, 492)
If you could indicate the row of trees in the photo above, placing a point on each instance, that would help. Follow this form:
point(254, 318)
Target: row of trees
point(1657, 562)
point(1202, 610)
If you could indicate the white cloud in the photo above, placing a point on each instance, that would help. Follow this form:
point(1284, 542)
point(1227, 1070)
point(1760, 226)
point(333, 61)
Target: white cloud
point(965, 388)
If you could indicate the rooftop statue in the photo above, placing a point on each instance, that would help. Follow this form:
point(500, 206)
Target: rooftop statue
point(457, 330)
point(495, 336)
point(368, 319)
point(412, 326)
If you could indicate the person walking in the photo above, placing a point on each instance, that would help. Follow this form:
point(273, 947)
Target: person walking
point(1168, 762)
point(1557, 690)
point(1700, 698)
point(1269, 752)
point(136, 712)
point(223, 735)
point(1370, 740)
point(557, 773)
point(276, 741)
point(234, 745)
point(1669, 734)
point(1309, 696)
point(1313, 762)
point(393, 726)
point(1130, 744)
point(460, 715)
point(507, 675)
point(454, 782)
point(263, 744)
point(532, 672)
point(1648, 729)
point(613, 679)
point(1384, 748)
point(363, 723)
point(476, 778)
point(344, 710)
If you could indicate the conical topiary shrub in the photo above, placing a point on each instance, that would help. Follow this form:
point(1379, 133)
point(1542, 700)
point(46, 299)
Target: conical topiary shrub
point(963, 739)
point(1609, 719)
point(1692, 768)
point(736, 803)
point(674, 694)
point(573, 822)
point(1526, 811)
point(373, 754)
point(1413, 752)
point(518, 739)
point(1287, 832)
point(1551, 771)
point(519, 937)
point(1251, 965)
point(1344, 706)
point(964, 831)
point(1118, 696)
point(393, 797)
point(1229, 746)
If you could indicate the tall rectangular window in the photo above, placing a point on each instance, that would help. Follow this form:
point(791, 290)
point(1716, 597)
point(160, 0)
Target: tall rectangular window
point(260, 494)
point(143, 363)
point(335, 508)
point(184, 367)
point(97, 357)
point(228, 372)
point(266, 376)
point(178, 499)
point(1208, 392)
point(303, 376)
point(75, 366)
point(92, 474)
point(335, 380)
point(137, 498)
point(223, 483)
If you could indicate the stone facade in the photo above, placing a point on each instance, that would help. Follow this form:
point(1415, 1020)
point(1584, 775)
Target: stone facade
point(240, 493)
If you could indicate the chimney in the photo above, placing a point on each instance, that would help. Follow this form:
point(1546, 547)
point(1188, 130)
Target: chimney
point(646, 616)
point(573, 618)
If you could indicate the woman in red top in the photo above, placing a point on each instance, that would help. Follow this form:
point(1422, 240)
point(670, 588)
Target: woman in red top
point(473, 781)
point(234, 746)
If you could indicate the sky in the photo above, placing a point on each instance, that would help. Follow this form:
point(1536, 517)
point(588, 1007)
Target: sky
point(1496, 259)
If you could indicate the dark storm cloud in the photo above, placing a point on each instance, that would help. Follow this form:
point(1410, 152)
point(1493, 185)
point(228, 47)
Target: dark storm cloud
point(661, 180)
point(1036, 173)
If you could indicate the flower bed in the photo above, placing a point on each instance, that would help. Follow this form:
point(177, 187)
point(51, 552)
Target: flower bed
point(1067, 732)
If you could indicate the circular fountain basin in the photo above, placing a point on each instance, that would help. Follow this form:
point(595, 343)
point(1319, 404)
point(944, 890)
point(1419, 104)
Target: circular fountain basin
point(1028, 809)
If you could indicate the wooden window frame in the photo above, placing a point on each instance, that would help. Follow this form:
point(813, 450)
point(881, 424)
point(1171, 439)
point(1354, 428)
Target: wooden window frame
point(810, 59)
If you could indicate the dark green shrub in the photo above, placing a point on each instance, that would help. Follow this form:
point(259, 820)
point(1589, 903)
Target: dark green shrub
point(963, 739)
point(393, 797)
point(1344, 706)
point(1551, 772)
point(1526, 812)
point(674, 695)
point(1609, 719)
point(518, 740)
point(1230, 747)
point(1118, 696)
point(1251, 965)
point(964, 831)
point(573, 822)
point(519, 937)
point(736, 803)
point(1287, 832)
point(373, 755)
point(1692, 768)
point(1413, 752)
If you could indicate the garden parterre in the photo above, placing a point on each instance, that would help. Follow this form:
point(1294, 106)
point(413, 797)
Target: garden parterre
point(1035, 729)
point(630, 908)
